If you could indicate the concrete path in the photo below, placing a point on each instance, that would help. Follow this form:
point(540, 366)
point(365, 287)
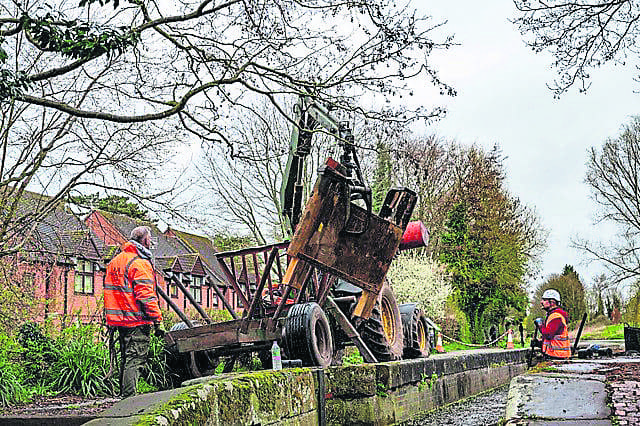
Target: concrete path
point(566, 393)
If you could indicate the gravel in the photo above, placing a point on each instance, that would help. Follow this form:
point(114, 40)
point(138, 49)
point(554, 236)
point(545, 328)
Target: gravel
point(486, 409)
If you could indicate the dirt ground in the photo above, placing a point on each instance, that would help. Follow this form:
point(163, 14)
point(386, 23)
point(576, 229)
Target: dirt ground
point(65, 405)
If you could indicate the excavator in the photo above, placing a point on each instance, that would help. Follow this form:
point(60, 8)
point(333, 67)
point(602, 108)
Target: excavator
point(326, 288)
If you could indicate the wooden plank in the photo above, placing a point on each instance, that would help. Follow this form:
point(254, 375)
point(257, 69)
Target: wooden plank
point(265, 248)
point(258, 294)
point(225, 334)
point(365, 304)
point(232, 279)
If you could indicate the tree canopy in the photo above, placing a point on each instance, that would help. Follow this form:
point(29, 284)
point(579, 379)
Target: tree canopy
point(581, 35)
point(489, 243)
point(112, 203)
point(103, 94)
point(613, 173)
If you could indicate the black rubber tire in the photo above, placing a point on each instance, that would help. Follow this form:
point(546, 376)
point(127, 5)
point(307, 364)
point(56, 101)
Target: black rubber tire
point(265, 359)
point(385, 345)
point(307, 335)
point(416, 332)
point(179, 363)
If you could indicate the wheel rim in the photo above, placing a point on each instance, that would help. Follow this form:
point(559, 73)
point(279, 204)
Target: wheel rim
point(387, 320)
point(422, 336)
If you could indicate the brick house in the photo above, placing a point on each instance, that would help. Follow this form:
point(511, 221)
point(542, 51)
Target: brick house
point(204, 247)
point(60, 265)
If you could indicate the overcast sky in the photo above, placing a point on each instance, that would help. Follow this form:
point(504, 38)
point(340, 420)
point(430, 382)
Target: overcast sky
point(502, 99)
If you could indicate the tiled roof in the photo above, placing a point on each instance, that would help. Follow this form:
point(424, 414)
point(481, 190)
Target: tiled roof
point(168, 263)
point(188, 261)
point(203, 246)
point(164, 246)
point(60, 232)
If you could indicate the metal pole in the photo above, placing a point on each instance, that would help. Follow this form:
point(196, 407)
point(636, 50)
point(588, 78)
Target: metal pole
point(575, 344)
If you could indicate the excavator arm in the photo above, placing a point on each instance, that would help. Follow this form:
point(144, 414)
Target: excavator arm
point(309, 117)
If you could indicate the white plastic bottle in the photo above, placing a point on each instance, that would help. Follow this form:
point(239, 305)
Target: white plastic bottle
point(276, 360)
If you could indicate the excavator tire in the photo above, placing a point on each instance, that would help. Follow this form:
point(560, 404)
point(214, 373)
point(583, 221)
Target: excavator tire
point(307, 335)
point(382, 332)
point(416, 332)
point(192, 364)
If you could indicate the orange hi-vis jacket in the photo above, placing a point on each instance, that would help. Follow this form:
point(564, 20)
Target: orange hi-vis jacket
point(558, 346)
point(130, 296)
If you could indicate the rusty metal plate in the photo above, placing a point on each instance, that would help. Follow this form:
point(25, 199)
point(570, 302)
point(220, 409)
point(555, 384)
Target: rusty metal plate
point(362, 260)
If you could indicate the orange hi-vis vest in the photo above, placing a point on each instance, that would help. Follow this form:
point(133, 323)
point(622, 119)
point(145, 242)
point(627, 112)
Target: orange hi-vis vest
point(130, 296)
point(559, 346)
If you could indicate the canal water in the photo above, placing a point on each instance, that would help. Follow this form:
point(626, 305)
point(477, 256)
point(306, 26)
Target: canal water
point(483, 410)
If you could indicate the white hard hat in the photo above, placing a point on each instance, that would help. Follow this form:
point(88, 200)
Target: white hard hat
point(551, 294)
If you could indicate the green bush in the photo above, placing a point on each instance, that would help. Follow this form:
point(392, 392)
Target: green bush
point(82, 364)
point(11, 389)
point(39, 353)
point(158, 376)
point(352, 356)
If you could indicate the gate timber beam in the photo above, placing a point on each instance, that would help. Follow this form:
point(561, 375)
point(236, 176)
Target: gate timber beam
point(232, 279)
point(257, 295)
point(175, 307)
point(225, 302)
point(189, 297)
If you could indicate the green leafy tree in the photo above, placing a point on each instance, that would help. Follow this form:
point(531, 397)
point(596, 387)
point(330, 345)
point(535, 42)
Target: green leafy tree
point(632, 308)
point(112, 203)
point(228, 242)
point(488, 243)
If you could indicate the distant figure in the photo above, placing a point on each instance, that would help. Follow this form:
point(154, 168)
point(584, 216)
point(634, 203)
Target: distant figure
point(493, 334)
point(131, 305)
point(554, 331)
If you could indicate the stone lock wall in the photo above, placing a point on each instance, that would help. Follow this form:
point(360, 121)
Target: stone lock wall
point(368, 394)
point(394, 392)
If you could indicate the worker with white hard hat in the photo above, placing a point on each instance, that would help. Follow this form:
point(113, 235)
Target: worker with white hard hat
point(554, 330)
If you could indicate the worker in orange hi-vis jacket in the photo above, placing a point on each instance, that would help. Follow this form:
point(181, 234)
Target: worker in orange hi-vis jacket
point(554, 330)
point(131, 305)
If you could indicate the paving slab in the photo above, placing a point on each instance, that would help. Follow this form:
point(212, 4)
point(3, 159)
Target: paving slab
point(557, 398)
point(579, 367)
point(126, 412)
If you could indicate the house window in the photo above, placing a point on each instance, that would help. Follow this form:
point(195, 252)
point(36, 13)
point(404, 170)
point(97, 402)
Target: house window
point(83, 277)
point(173, 288)
point(216, 300)
point(239, 301)
point(196, 288)
point(28, 278)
